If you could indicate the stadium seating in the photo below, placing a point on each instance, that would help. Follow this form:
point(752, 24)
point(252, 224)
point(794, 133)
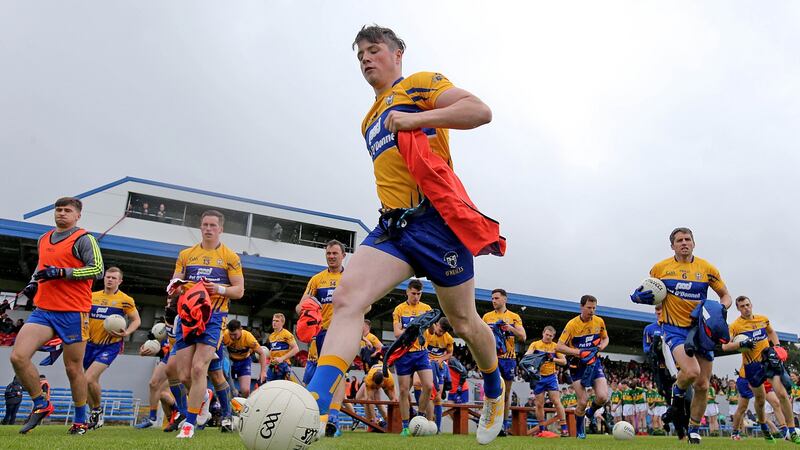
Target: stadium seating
point(118, 405)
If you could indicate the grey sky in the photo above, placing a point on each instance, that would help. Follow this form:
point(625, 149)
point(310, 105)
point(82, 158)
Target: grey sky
point(614, 122)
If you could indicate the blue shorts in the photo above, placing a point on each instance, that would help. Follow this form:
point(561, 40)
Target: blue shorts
point(430, 247)
point(576, 373)
point(439, 373)
point(754, 373)
point(311, 367)
point(102, 353)
point(278, 372)
point(412, 362)
point(546, 384)
point(217, 364)
point(241, 368)
point(507, 367)
point(676, 336)
point(743, 387)
point(71, 327)
point(212, 336)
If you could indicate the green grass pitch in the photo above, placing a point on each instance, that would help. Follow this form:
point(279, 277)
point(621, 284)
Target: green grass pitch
point(55, 437)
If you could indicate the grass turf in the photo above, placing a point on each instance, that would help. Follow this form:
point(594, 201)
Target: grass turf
point(55, 437)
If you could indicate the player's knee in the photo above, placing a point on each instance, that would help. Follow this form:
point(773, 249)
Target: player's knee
point(18, 359)
point(700, 385)
point(73, 371)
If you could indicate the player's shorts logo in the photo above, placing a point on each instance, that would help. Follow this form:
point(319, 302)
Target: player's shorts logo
point(451, 259)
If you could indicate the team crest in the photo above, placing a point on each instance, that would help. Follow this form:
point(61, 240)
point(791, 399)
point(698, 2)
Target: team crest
point(437, 77)
point(220, 262)
point(451, 259)
point(206, 260)
point(698, 276)
point(389, 100)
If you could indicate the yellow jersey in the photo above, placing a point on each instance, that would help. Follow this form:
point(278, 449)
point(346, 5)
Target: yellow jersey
point(579, 334)
point(371, 341)
point(280, 342)
point(104, 305)
point(388, 381)
point(241, 348)
point(321, 287)
point(218, 266)
point(548, 367)
point(404, 312)
point(756, 328)
point(510, 318)
point(438, 346)
point(687, 284)
point(418, 92)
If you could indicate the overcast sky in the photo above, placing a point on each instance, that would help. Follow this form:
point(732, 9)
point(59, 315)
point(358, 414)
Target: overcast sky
point(614, 122)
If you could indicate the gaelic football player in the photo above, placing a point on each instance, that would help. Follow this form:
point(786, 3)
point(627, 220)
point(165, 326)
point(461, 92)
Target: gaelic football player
point(548, 383)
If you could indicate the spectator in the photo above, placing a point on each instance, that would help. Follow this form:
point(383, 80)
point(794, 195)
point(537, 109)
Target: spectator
point(18, 325)
point(5, 306)
point(13, 397)
point(162, 212)
point(277, 232)
point(7, 326)
point(145, 209)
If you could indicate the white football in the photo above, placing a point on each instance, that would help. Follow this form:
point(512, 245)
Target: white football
point(739, 338)
point(159, 330)
point(279, 415)
point(153, 345)
point(658, 288)
point(418, 426)
point(114, 322)
point(623, 431)
point(432, 428)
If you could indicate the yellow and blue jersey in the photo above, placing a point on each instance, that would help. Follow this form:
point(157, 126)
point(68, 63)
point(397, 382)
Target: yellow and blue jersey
point(687, 284)
point(438, 346)
point(240, 349)
point(548, 367)
point(321, 287)
point(369, 378)
point(218, 266)
point(579, 334)
point(418, 92)
point(371, 341)
point(280, 342)
point(404, 313)
point(104, 305)
point(755, 328)
point(511, 318)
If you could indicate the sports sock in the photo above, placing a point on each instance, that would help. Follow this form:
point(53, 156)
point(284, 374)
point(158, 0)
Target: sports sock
point(80, 414)
point(784, 429)
point(592, 409)
point(153, 413)
point(764, 428)
point(676, 391)
point(329, 373)
point(224, 402)
point(437, 412)
point(506, 424)
point(492, 383)
point(564, 427)
point(176, 389)
point(333, 413)
point(417, 395)
point(191, 415)
point(39, 402)
point(580, 424)
point(405, 424)
point(541, 428)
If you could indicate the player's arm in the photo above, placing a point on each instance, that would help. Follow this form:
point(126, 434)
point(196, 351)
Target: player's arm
point(732, 346)
point(563, 348)
point(133, 323)
point(518, 330)
point(455, 108)
point(311, 292)
point(234, 292)
point(293, 349)
point(262, 360)
point(716, 283)
point(560, 359)
point(773, 335)
point(378, 346)
point(86, 250)
point(397, 325)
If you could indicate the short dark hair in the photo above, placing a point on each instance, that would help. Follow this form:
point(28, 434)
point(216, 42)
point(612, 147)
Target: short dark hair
point(333, 242)
point(376, 34)
point(588, 298)
point(500, 291)
point(741, 298)
point(367, 322)
point(415, 284)
point(234, 325)
point(213, 213)
point(679, 230)
point(445, 324)
point(378, 378)
point(70, 201)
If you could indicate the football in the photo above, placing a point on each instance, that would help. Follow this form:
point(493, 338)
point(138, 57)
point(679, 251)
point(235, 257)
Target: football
point(159, 330)
point(658, 288)
point(114, 322)
point(153, 345)
point(623, 431)
point(280, 415)
point(418, 426)
point(739, 338)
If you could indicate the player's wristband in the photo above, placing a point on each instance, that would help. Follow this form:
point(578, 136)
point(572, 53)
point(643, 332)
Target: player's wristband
point(221, 290)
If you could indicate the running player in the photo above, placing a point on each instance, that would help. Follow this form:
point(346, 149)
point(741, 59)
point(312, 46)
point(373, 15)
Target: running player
point(321, 288)
point(282, 347)
point(583, 338)
point(548, 381)
point(104, 346)
point(511, 326)
point(371, 346)
point(760, 336)
point(61, 288)
point(439, 343)
point(220, 270)
point(687, 279)
point(370, 389)
point(241, 344)
point(412, 236)
point(417, 359)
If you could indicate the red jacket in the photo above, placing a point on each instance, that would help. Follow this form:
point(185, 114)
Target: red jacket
point(479, 233)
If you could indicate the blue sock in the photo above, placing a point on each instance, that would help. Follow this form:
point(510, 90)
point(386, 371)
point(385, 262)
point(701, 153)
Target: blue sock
point(764, 428)
point(417, 395)
point(80, 413)
point(676, 391)
point(437, 412)
point(333, 416)
point(564, 428)
point(329, 373)
point(180, 397)
point(191, 416)
point(405, 424)
point(39, 402)
point(506, 424)
point(153, 414)
point(492, 383)
point(783, 431)
point(580, 424)
point(224, 401)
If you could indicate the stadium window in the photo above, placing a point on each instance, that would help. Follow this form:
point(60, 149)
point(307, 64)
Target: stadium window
point(235, 221)
point(318, 236)
point(157, 209)
point(271, 228)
